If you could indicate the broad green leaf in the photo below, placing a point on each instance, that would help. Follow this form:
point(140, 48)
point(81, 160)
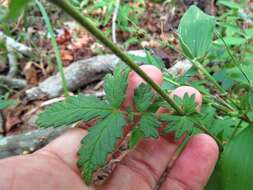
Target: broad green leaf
point(115, 86)
point(196, 31)
point(143, 97)
point(236, 75)
point(230, 4)
point(72, 110)
point(6, 103)
point(149, 59)
point(16, 8)
point(148, 125)
point(100, 141)
point(249, 33)
point(236, 162)
point(214, 182)
point(231, 41)
point(186, 50)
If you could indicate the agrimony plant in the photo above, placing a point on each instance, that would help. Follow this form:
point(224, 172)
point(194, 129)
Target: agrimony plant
point(226, 118)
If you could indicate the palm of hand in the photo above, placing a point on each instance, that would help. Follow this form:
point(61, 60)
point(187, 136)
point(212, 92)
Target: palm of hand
point(54, 167)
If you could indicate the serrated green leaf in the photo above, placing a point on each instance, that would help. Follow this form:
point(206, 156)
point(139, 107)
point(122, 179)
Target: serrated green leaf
point(196, 32)
point(178, 124)
point(115, 86)
point(148, 124)
point(135, 138)
point(74, 109)
point(16, 8)
point(143, 97)
point(100, 141)
point(222, 127)
point(187, 103)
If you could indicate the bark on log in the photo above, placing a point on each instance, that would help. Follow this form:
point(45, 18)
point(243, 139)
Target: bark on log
point(28, 142)
point(77, 75)
point(10, 42)
point(13, 83)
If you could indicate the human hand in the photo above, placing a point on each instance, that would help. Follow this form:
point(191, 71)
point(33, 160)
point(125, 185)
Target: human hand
point(54, 167)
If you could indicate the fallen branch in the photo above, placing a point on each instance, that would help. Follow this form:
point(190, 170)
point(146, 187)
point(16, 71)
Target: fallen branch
point(13, 83)
point(114, 21)
point(10, 42)
point(28, 142)
point(13, 62)
point(78, 74)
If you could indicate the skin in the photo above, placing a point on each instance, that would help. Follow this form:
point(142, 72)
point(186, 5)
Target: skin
point(54, 166)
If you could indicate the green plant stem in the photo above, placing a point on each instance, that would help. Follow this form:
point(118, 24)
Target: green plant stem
point(208, 76)
point(205, 130)
point(235, 131)
point(215, 83)
point(227, 109)
point(233, 59)
point(85, 22)
point(221, 106)
point(55, 47)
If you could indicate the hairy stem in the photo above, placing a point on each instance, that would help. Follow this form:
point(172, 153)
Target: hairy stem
point(205, 130)
point(234, 60)
point(235, 130)
point(55, 47)
point(85, 22)
point(208, 76)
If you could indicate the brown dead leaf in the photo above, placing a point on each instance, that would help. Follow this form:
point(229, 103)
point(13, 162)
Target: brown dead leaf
point(64, 37)
point(12, 121)
point(31, 74)
point(66, 55)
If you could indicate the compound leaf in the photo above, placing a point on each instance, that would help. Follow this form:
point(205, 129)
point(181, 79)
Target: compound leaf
point(143, 97)
point(115, 87)
point(187, 103)
point(74, 109)
point(99, 142)
point(148, 125)
point(179, 125)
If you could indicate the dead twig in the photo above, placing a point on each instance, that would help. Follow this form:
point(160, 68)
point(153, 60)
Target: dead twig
point(114, 21)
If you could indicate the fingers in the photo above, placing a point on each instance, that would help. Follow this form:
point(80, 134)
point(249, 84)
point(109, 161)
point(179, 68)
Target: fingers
point(66, 147)
point(196, 163)
point(181, 91)
point(142, 167)
point(134, 80)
